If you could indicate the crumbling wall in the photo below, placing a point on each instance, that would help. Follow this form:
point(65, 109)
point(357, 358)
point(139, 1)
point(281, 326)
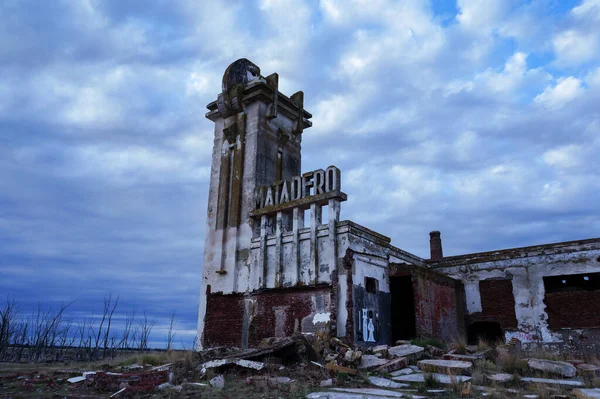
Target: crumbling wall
point(224, 319)
point(244, 320)
point(438, 305)
point(497, 303)
point(526, 268)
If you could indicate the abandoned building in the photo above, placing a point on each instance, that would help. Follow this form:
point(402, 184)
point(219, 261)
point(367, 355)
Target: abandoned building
point(269, 270)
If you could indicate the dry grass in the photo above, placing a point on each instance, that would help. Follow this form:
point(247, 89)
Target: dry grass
point(460, 345)
point(513, 364)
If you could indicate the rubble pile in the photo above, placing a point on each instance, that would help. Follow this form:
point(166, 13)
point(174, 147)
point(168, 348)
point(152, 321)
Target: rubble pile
point(301, 366)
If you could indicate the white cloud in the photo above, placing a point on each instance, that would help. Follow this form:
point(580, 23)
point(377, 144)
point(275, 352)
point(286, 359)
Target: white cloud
point(481, 15)
point(587, 9)
point(566, 90)
point(574, 47)
point(568, 156)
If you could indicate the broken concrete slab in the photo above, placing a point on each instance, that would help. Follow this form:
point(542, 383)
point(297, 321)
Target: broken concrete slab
point(232, 362)
point(500, 377)
point(587, 393)
point(345, 395)
point(371, 392)
point(550, 381)
point(350, 356)
point(385, 383)
point(589, 369)
point(404, 371)
point(452, 367)
point(434, 351)
point(405, 350)
point(217, 382)
point(563, 369)
point(392, 365)
point(465, 358)
point(161, 368)
point(326, 383)
point(369, 362)
point(380, 349)
point(280, 380)
point(441, 378)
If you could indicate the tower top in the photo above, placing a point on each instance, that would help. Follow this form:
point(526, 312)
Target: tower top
point(242, 83)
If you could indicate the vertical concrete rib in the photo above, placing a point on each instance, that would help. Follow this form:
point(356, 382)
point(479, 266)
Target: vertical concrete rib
point(297, 223)
point(334, 217)
point(278, 255)
point(315, 220)
point(262, 257)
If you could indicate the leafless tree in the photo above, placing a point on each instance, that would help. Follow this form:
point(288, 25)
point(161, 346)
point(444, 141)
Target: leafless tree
point(146, 327)
point(8, 319)
point(107, 306)
point(171, 334)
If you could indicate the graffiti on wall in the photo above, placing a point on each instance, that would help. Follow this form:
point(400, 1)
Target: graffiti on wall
point(367, 325)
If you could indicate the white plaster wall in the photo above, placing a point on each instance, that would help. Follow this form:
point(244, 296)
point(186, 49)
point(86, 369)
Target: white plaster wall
point(527, 274)
point(366, 266)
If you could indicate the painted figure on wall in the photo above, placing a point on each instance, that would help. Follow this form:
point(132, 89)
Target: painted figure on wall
point(368, 326)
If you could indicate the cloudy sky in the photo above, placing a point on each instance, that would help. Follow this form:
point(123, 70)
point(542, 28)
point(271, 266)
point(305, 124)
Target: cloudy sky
point(479, 118)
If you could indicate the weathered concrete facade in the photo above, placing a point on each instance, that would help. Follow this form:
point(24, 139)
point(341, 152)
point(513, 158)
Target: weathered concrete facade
point(269, 270)
point(544, 294)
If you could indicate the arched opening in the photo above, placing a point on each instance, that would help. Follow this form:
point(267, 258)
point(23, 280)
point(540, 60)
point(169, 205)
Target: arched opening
point(489, 331)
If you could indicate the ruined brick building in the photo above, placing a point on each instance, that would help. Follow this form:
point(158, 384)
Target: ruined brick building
point(269, 270)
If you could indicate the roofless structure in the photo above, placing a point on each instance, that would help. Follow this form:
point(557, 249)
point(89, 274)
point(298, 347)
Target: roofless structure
point(274, 266)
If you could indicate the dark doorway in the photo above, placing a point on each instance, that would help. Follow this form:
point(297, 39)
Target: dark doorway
point(489, 331)
point(402, 308)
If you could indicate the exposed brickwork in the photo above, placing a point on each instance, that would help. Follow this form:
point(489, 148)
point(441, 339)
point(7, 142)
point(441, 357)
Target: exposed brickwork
point(497, 303)
point(276, 313)
point(577, 309)
point(224, 318)
point(348, 262)
point(436, 309)
point(296, 304)
point(439, 301)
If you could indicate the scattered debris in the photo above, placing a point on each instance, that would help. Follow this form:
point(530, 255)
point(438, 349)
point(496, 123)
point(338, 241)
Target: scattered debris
point(341, 369)
point(587, 393)
point(371, 362)
point(551, 381)
point(500, 377)
point(405, 350)
point(232, 362)
point(326, 383)
point(404, 371)
point(392, 365)
point(563, 369)
point(76, 379)
point(218, 382)
point(385, 383)
point(446, 366)
point(441, 378)
point(118, 392)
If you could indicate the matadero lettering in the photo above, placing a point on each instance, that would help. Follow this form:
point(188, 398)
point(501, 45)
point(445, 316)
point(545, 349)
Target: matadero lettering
point(310, 184)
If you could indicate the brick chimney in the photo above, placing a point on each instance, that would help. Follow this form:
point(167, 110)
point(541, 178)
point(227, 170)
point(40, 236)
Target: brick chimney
point(435, 245)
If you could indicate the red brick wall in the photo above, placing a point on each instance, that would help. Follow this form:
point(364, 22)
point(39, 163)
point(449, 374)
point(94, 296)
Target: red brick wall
point(223, 322)
point(225, 315)
point(497, 302)
point(437, 310)
point(298, 305)
point(577, 309)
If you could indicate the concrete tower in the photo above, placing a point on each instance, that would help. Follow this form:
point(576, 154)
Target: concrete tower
point(258, 132)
